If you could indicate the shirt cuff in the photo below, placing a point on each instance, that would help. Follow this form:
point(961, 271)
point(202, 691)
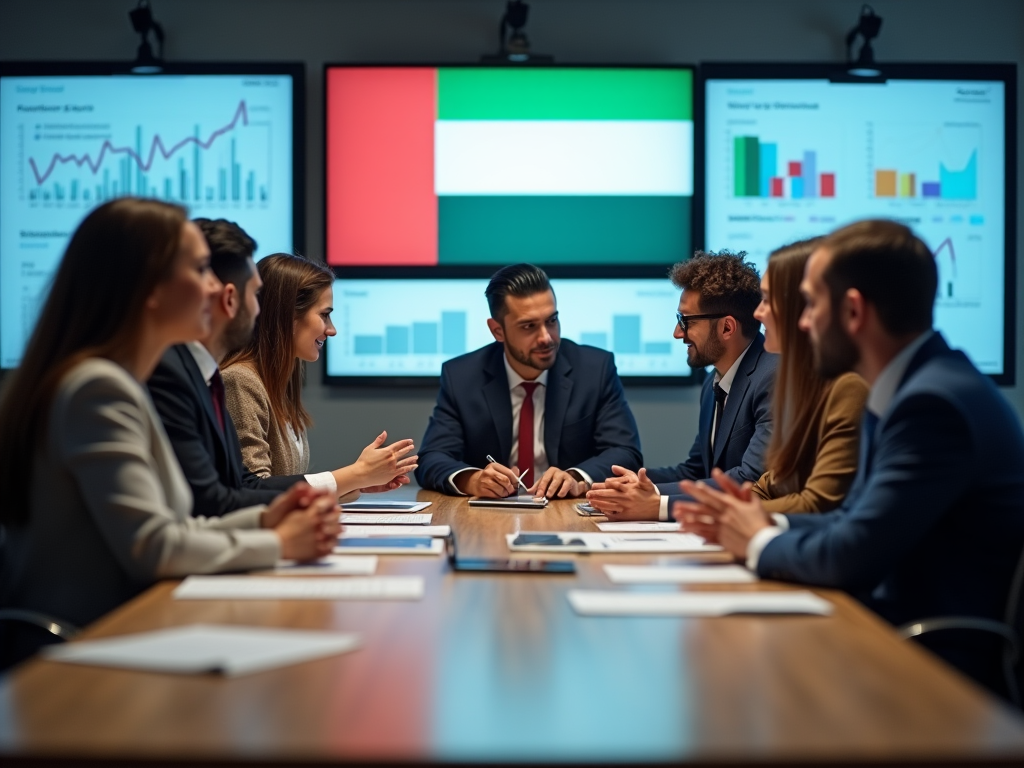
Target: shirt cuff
point(323, 481)
point(583, 475)
point(758, 542)
point(453, 475)
point(781, 521)
point(663, 508)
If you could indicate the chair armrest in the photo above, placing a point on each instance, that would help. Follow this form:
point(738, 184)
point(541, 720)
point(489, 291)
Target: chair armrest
point(55, 627)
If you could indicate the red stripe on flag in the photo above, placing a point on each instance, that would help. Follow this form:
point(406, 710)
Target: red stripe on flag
point(381, 206)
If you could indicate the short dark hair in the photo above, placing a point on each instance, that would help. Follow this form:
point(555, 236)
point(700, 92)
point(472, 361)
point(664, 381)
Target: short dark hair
point(516, 280)
point(725, 284)
point(891, 267)
point(230, 250)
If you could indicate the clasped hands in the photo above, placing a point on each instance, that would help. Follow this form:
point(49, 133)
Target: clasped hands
point(730, 516)
point(496, 481)
point(306, 520)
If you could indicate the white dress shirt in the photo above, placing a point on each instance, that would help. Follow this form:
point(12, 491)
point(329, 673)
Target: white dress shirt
point(208, 366)
point(518, 396)
point(879, 399)
point(725, 382)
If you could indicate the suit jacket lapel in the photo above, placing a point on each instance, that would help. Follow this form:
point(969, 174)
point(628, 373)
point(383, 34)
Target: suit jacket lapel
point(559, 388)
point(202, 391)
point(707, 417)
point(499, 401)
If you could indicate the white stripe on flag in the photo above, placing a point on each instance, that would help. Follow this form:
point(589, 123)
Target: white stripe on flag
point(563, 157)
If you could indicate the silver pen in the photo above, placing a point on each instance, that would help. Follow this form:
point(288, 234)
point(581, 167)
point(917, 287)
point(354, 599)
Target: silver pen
point(526, 491)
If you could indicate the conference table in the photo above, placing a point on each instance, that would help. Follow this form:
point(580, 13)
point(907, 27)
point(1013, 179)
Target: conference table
point(499, 669)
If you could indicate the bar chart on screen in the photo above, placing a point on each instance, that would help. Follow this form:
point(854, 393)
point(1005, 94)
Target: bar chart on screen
point(221, 145)
point(913, 161)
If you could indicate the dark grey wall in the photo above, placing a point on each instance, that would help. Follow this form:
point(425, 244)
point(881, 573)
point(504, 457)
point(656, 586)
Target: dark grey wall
point(607, 31)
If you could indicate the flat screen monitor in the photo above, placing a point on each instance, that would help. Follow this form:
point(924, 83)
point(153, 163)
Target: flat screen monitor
point(404, 329)
point(793, 151)
point(449, 166)
point(223, 140)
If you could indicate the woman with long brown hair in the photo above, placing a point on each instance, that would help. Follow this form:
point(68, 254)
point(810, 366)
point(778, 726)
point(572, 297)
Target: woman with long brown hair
point(812, 457)
point(95, 505)
point(263, 383)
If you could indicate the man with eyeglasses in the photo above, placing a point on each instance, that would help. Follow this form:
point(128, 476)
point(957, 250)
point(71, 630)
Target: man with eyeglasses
point(720, 292)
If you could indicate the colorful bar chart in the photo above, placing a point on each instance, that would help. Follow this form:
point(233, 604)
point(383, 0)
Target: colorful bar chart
point(952, 185)
point(755, 172)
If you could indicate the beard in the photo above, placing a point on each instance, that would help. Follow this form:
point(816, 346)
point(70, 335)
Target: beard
point(238, 332)
point(707, 354)
point(527, 358)
point(834, 354)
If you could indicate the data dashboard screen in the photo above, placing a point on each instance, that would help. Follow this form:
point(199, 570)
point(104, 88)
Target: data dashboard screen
point(450, 166)
point(788, 159)
point(408, 328)
point(222, 145)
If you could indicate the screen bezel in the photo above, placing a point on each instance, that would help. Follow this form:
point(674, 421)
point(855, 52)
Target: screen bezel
point(1005, 73)
point(604, 271)
point(295, 70)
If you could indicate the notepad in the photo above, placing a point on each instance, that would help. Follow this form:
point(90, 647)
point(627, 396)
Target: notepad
point(385, 506)
point(390, 545)
point(331, 565)
point(624, 603)
point(201, 648)
point(365, 518)
point(619, 543)
point(683, 574)
point(298, 588)
point(639, 526)
point(373, 531)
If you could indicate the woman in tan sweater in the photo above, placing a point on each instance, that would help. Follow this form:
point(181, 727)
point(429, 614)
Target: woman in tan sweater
point(263, 383)
point(812, 457)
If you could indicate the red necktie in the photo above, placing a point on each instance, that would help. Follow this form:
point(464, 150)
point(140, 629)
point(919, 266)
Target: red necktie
point(526, 433)
point(217, 395)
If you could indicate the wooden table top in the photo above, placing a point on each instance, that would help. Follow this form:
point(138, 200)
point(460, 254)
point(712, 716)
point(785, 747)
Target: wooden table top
point(499, 669)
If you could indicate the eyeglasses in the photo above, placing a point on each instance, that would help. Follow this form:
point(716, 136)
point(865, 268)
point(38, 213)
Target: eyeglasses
point(685, 320)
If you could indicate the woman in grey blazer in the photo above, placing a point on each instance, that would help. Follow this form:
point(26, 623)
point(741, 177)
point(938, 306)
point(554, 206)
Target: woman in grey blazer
point(95, 505)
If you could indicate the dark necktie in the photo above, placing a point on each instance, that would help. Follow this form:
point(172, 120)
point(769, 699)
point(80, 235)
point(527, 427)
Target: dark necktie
point(720, 395)
point(869, 426)
point(217, 396)
point(526, 433)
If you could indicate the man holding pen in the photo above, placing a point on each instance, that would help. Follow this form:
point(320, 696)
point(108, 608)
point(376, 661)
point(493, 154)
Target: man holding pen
point(511, 415)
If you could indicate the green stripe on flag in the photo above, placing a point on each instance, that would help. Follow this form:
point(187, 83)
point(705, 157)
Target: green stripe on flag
point(563, 230)
point(564, 94)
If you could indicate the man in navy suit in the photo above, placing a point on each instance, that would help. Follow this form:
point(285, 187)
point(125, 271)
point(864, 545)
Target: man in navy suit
point(184, 388)
point(531, 402)
point(933, 525)
point(716, 322)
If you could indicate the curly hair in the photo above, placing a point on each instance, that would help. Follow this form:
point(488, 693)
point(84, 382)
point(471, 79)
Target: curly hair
point(724, 283)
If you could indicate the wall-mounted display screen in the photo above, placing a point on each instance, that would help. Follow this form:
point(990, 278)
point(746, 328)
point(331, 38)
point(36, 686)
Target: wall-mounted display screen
point(408, 328)
point(792, 157)
point(221, 142)
point(454, 166)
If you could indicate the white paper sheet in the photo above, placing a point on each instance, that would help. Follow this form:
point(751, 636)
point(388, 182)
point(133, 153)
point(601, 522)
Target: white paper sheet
point(617, 543)
point(362, 531)
point(331, 565)
point(201, 648)
point(385, 545)
point(384, 505)
point(298, 588)
point(629, 603)
point(639, 526)
point(364, 518)
point(683, 574)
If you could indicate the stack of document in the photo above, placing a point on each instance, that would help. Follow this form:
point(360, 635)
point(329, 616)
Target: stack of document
point(603, 603)
point(331, 565)
point(262, 588)
point(369, 518)
point(372, 531)
point(621, 543)
point(682, 574)
point(201, 648)
point(385, 505)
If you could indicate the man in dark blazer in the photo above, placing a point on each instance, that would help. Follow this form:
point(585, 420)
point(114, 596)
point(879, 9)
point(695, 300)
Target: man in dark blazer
point(208, 452)
point(716, 322)
point(531, 402)
point(933, 525)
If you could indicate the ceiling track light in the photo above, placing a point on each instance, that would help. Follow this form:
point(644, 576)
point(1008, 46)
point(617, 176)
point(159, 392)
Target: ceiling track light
point(513, 44)
point(868, 26)
point(146, 62)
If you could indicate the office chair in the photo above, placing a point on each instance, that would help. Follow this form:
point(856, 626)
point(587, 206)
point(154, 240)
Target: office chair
point(1010, 631)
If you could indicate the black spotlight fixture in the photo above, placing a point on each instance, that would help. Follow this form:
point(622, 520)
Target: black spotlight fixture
point(868, 26)
point(146, 62)
point(513, 44)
